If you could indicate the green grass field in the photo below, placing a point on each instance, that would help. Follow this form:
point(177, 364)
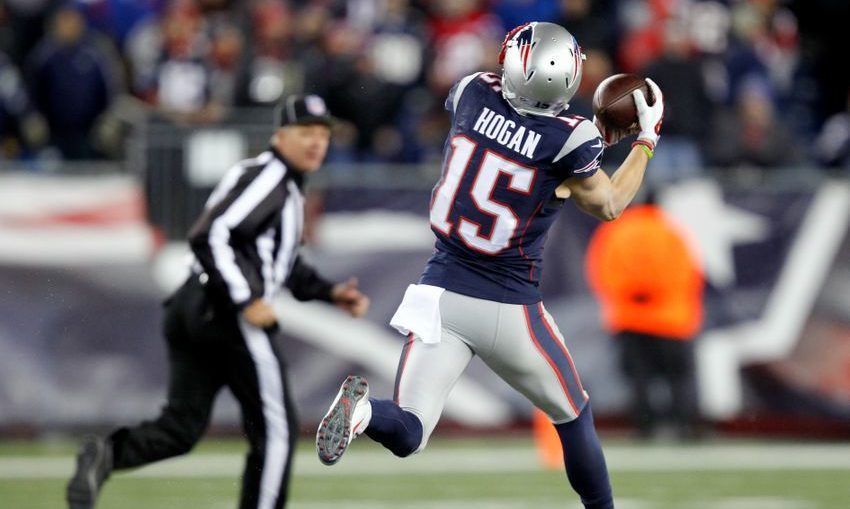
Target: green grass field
point(458, 473)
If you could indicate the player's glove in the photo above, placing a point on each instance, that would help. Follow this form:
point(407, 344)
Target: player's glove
point(650, 117)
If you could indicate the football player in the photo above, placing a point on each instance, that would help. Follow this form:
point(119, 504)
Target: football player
point(513, 155)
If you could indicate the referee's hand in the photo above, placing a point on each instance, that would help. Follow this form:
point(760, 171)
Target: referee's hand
point(259, 314)
point(348, 297)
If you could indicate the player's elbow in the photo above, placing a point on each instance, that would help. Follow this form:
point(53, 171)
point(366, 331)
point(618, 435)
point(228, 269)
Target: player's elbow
point(601, 204)
point(607, 206)
point(610, 214)
point(603, 212)
point(609, 211)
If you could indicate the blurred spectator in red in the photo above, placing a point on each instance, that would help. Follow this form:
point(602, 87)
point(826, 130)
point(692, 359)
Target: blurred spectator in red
point(465, 38)
point(271, 21)
point(643, 22)
point(751, 134)
point(21, 126)
point(686, 107)
point(74, 76)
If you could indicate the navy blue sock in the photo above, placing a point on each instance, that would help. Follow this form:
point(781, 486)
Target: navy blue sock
point(585, 462)
point(398, 430)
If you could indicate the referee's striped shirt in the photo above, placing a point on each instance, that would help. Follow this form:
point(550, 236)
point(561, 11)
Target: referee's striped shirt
point(248, 236)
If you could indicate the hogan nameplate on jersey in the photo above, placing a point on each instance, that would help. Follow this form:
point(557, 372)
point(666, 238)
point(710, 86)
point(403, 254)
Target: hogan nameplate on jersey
point(505, 132)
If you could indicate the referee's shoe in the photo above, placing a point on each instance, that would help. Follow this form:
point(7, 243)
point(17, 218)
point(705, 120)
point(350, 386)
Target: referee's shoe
point(94, 464)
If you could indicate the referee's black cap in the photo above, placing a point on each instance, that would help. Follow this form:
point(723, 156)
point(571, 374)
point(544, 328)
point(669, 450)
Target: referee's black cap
point(303, 109)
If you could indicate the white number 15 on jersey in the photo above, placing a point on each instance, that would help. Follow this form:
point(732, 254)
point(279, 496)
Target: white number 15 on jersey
point(521, 179)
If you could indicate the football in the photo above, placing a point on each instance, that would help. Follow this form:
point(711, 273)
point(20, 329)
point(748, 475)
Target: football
point(613, 103)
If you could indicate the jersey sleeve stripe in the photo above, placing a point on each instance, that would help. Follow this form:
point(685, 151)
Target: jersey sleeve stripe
point(592, 165)
point(461, 86)
point(583, 133)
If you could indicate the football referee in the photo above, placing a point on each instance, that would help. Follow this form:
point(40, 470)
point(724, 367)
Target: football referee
point(220, 327)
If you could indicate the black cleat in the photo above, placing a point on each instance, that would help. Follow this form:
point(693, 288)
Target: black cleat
point(94, 464)
point(347, 418)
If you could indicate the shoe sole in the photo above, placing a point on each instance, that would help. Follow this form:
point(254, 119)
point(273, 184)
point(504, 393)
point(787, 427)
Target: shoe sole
point(81, 492)
point(334, 432)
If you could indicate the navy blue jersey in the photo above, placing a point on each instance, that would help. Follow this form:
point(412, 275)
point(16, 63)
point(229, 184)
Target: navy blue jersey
point(496, 199)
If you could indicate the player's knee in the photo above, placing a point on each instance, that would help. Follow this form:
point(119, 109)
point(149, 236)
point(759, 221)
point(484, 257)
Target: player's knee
point(410, 440)
point(556, 412)
point(408, 444)
point(399, 430)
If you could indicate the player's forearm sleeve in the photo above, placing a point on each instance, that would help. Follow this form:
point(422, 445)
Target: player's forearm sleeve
point(306, 284)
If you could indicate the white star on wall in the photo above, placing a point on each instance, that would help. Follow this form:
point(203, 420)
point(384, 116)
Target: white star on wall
point(713, 226)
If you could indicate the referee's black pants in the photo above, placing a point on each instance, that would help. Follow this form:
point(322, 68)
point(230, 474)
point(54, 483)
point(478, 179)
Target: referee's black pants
point(208, 350)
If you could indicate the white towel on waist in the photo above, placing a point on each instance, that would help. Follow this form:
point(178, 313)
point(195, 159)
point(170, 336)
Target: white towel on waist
point(419, 313)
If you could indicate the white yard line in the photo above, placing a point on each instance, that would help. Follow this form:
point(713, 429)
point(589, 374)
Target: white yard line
point(771, 457)
point(470, 504)
point(622, 503)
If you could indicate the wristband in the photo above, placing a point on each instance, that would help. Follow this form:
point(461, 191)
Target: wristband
point(645, 146)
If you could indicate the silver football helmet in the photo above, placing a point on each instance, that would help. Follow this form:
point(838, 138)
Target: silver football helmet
point(541, 68)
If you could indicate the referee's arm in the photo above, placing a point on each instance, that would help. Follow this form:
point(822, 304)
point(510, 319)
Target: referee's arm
point(306, 284)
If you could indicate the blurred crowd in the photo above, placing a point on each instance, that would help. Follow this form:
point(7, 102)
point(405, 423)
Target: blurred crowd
point(748, 83)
